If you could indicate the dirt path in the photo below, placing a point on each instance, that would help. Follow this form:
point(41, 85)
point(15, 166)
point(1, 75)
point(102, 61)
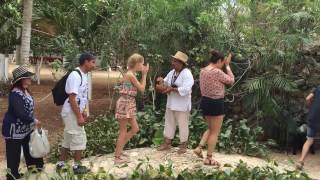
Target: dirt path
point(312, 162)
point(49, 113)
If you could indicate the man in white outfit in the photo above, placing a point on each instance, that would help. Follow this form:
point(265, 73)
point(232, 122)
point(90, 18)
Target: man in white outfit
point(179, 82)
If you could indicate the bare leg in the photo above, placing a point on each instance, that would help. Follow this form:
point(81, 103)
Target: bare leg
point(64, 154)
point(306, 148)
point(133, 131)
point(204, 138)
point(77, 156)
point(215, 123)
point(122, 137)
point(202, 143)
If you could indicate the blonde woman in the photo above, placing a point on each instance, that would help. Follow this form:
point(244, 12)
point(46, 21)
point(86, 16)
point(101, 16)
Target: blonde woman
point(126, 104)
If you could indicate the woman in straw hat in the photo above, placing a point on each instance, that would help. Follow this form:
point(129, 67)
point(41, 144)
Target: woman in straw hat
point(179, 82)
point(18, 123)
point(212, 86)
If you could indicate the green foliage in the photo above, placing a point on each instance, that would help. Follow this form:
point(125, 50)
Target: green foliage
point(266, 38)
point(56, 65)
point(196, 128)
point(102, 133)
point(237, 137)
point(145, 170)
point(9, 15)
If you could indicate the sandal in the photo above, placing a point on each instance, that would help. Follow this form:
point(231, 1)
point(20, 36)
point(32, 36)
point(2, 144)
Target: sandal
point(166, 145)
point(125, 154)
point(183, 148)
point(118, 160)
point(198, 153)
point(211, 162)
point(299, 165)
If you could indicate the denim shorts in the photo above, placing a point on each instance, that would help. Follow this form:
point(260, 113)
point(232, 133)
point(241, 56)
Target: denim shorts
point(311, 132)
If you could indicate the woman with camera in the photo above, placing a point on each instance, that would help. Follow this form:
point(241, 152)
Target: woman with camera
point(212, 85)
point(178, 87)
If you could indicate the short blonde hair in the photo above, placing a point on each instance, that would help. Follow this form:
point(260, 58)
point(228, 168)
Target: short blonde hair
point(134, 59)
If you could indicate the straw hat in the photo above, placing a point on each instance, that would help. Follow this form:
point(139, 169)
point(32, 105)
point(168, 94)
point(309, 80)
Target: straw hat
point(21, 72)
point(181, 57)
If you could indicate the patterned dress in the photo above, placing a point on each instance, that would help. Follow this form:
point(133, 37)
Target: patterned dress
point(126, 104)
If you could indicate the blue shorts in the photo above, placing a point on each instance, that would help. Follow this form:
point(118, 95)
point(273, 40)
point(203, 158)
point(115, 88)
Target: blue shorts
point(311, 132)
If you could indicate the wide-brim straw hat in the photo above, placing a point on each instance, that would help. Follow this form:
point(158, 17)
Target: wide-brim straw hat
point(181, 57)
point(19, 73)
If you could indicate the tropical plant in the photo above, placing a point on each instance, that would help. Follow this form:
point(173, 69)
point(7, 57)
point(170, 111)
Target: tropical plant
point(10, 13)
point(144, 170)
point(237, 137)
point(266, 38)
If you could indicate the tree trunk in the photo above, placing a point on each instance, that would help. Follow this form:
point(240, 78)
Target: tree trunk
point(26, 31)
point(3, 68)
point(18, 47)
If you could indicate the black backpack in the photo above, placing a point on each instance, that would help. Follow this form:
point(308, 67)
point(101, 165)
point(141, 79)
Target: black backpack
point(59, 91)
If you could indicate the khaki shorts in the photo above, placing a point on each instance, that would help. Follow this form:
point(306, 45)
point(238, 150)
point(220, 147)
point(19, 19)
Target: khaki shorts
point(74, 142)
point(74, 136)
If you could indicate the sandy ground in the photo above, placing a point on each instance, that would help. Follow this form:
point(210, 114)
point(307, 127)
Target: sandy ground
point(312, 162)
point(180, 162)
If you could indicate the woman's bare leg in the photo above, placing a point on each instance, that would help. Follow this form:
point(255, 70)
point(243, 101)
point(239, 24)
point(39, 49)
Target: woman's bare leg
point(133, 131)
point(214, 123)
point(121, 141)
point(305, 149)
point(203, 141)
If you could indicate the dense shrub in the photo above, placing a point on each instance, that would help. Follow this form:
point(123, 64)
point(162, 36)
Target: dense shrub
point(102, 133)
point(235, 137)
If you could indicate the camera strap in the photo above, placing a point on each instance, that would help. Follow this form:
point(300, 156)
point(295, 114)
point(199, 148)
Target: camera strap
point(175, 76)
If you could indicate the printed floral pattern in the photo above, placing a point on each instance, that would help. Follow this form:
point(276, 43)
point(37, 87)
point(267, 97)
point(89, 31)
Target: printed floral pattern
point(212, 82)
point(126, 104)
point(19, 119)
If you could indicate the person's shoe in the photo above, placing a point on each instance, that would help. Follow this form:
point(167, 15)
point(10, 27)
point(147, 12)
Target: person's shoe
point(166, 145)
point(12, 177)
point(60, 167)
point(183, 148)
point(78, 169)
point(34, 170)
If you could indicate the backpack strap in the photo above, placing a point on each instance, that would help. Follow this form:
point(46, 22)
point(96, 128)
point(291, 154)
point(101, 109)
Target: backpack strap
point(77, 70)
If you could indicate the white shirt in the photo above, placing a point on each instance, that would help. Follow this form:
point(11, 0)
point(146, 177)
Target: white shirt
point(181, 100)
point(73, 87)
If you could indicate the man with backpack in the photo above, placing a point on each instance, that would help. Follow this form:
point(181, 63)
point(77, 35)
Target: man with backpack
point(75, 97)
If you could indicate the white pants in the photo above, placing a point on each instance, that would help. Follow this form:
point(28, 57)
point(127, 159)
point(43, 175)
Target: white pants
point(171, 120)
